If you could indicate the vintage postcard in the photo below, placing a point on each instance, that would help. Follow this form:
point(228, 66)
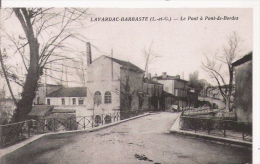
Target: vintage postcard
point(151, 82)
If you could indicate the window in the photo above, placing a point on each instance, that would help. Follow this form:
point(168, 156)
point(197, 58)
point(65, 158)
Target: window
point(176, 92)
point(107, 119)
point(107, 97)
point(140, 104)
point(98, 120)
point(48, 102)
point(152, 90)
point(62, 101)
point(97, 98)
point(38, 100)
point(81, 101)
point(74, 101)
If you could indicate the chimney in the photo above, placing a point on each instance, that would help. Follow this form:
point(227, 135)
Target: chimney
point(164, 74)
point(89, 57)
point(149, 75)
point(155, 77)
point(112, 71)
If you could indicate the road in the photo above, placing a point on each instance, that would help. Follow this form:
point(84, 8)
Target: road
point(143, 140)
point(219, 103)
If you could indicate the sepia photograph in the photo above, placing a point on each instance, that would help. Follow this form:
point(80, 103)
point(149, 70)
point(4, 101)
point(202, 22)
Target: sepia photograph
point(160, 85)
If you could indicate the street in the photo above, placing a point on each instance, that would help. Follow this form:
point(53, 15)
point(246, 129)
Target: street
point(142, 140)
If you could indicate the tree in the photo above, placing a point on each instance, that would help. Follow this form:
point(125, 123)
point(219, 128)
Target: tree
point(149, 56)
point(194, 81)
point(47, 37)
point(214, 67)
point(126, 92)
point(79, 66)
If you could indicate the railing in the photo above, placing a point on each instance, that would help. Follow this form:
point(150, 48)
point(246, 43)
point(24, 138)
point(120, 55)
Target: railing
point(218, 127)
point(219, 113)
point(203, 111)
point(129, 114)
point(13, 133)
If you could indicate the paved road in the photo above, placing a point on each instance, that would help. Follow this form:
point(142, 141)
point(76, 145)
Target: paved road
point(143, 140)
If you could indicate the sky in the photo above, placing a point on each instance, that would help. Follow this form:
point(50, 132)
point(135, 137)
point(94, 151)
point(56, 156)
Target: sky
point(180, 40)
point(181, 45)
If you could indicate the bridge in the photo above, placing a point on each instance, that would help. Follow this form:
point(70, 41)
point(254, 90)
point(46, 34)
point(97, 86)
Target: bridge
point(142, 140)
point(218, 102)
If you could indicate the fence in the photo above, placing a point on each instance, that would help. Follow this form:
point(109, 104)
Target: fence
point(13, 133)
point(218, 127)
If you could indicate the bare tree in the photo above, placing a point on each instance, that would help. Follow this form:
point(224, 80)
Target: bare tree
point(4, 72)
point(215, 64)
point(79, 66)
point(149, 56)
point(46, 38)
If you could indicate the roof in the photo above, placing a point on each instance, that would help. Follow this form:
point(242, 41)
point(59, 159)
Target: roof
point(244, 59)
point(63, 111)
point(150, 81)
point(170, 78)
point(41, 110)
point(49, 85)
point(125, 64)
point(167, 94)
point(62, 115)
point(69, 92)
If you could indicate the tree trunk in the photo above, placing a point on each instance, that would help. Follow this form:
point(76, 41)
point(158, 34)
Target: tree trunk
point(230, 86)
point(24, 106)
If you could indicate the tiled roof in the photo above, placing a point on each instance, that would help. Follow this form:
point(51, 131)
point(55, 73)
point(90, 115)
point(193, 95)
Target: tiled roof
point(41, 110)
point(244, 59)
point(126, 65)
point(170, 78)
point(150, 81)
point(63, 111)
point(69, 92)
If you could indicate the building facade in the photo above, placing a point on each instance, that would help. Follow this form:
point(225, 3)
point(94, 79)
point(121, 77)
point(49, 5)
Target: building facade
point(175, 91)
point(112, 85)
point(42, 91)
point(69, 98)
point(243, 88)
point(153, 95)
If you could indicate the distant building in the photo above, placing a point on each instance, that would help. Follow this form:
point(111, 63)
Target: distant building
point(175, 91)
point(153, 92)
point(214, 92)
point(42, 91)
point(72, 98)
point(192, 97)
point(243, 88)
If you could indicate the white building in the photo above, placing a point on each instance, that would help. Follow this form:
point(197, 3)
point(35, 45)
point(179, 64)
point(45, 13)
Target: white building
point(109, 82)
point(73, 98)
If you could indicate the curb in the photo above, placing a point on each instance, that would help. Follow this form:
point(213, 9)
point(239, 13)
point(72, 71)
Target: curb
point(175, 129)
point(12, 148)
